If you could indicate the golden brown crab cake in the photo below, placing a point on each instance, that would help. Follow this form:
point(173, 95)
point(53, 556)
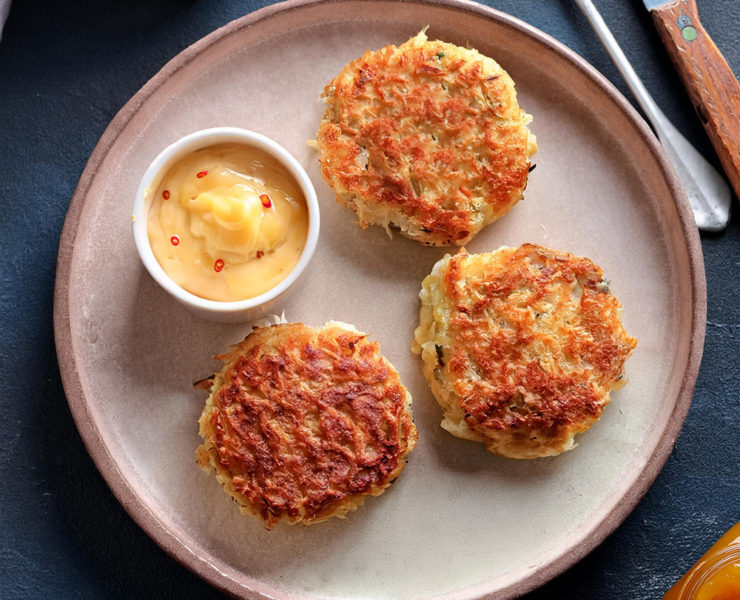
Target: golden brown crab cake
point(427, 138)
point(302, 423)
point(521, 347)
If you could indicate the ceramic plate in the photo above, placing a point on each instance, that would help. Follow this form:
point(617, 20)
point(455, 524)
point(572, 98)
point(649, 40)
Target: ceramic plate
point(459, 523)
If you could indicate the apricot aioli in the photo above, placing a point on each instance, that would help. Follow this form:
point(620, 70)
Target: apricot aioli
point(716, 575)
point(227, 222)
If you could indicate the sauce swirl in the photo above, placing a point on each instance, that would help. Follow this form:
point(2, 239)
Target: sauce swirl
point(227, 222)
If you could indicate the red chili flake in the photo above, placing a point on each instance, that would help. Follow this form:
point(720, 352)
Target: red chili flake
point(202, 174)
point(166, 194)
point(260, 253)
point(266, 202)
point(175, 240)
point(218, 266)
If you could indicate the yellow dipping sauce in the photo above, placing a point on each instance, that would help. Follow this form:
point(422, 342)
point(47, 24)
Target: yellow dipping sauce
point(227, 222)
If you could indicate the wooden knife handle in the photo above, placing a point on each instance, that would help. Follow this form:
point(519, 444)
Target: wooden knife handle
point(712, 87)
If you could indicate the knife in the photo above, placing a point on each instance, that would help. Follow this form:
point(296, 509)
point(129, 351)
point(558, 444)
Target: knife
point(706, 189)
point(712, 87)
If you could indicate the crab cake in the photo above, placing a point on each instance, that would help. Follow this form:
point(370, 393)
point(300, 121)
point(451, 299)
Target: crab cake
point(521, 347)
point(427, 138)
point(302, 424)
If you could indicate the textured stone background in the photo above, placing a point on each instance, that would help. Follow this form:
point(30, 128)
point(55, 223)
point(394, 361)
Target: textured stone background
point(66, 68)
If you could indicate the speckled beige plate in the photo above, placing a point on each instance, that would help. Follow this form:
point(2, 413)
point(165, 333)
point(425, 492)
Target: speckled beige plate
point(459, 523)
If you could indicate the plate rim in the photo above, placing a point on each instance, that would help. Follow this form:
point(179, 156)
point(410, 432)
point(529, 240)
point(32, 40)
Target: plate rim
point(213, 570)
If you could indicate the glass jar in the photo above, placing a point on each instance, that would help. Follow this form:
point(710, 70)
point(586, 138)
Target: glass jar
point(716, 576)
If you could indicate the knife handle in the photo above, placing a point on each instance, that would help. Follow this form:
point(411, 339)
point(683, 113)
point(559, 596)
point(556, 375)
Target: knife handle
point(712, 87)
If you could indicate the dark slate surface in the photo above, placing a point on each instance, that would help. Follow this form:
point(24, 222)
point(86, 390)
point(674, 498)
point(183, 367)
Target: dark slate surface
point(66, 68)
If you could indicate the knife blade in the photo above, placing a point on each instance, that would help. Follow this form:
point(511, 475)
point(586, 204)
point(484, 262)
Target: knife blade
point(708, 79)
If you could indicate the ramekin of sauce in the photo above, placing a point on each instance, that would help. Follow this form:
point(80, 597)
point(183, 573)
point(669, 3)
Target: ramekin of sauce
point(226, 220)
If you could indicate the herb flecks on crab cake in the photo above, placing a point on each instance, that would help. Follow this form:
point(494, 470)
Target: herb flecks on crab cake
point(302, 424)
point(426, 138)
point(521, 347)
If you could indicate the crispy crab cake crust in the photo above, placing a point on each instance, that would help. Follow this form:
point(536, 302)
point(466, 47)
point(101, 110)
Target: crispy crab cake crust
point(426, 137)
point(302, 424)
point(521, 347)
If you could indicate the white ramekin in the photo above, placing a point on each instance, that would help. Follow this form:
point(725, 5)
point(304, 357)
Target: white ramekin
point(242, 310)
